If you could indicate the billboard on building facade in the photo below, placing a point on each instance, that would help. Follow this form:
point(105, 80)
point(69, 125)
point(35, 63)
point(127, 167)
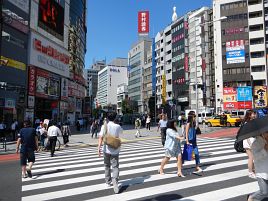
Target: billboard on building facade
point(51, 17)
point(244, 94)
point(261, 93)
point(143, 22)
point(164, 89)
point(229, 98)
point(235, 52)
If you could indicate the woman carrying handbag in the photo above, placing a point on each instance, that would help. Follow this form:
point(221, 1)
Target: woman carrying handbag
point(190, 135)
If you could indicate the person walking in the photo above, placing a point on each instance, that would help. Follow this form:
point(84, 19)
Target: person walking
point(250, 114)
point(2, 129)
point(163, 126)
point(66, 132)
point(14, 128)
point(28, 143)
point(94, 129)
point(42, 134)
point(148, 122)
point(111, 155)
point(260, 156)
point(172, 147)
point(52, 133)
point(137, 127)
point(190, 135)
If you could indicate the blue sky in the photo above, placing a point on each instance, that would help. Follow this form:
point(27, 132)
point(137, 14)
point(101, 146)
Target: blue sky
point(112, 24)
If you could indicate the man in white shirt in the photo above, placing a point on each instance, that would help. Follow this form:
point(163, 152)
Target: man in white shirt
point(163, 127)
point(111, 156)
point(52, 133)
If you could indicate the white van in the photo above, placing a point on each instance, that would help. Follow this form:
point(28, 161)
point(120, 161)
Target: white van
point(202, 115)
point(239, 113)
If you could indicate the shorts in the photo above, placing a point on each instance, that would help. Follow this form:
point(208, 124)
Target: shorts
point(27, 156)
point(247, 143)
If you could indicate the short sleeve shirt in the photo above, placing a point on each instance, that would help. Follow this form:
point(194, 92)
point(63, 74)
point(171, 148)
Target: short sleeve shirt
point(163, 123)
point(115, 130)
point(27, 136)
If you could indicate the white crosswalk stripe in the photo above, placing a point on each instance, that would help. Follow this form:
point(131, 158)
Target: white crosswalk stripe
point(78, 174)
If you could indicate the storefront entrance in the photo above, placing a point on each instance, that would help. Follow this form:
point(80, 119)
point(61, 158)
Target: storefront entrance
point(46, 109)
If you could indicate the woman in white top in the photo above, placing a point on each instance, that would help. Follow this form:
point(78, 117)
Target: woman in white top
point(250, 114)
point(148, 122)
point(260, 155)
point(172, 147)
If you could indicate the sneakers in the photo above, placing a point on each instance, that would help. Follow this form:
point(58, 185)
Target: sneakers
point(199, 171)
point(251, 175)
point(29, 173)
point(108, 185)
point(116, 187)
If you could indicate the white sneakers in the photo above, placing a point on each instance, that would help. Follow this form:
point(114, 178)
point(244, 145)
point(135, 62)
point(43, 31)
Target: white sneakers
point(251, 175)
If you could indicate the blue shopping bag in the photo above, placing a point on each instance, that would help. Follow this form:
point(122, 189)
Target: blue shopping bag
point(187, 152)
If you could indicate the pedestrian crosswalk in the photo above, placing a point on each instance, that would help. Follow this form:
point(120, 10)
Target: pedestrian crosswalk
point(78, 174)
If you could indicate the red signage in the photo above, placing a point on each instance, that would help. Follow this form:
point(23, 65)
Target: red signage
point(143, 22)
point(186, 63)
point(204, 65)
point(245, 105)
point(230, 105)
point(229, 91)
point(50, 51)
point(31, 81)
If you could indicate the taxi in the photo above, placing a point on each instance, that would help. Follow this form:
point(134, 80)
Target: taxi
point(231, 120)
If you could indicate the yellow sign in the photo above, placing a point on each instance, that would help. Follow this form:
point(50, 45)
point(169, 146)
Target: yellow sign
point(261, 93)
point(12, 63)
point(164, 89)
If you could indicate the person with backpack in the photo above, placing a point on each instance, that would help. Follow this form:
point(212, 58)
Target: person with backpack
point(137, 127)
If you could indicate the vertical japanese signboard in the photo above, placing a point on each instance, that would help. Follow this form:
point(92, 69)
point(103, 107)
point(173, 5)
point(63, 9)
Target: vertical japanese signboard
point(235, 52)
point(244, 97)
point(143, 22)
point(261, 93)
point(229, 98)
point(164, 90)
point(31, 81)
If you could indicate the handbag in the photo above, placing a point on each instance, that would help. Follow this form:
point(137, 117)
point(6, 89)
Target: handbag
point(238, 146)
point(112, 141)
point(187, 152)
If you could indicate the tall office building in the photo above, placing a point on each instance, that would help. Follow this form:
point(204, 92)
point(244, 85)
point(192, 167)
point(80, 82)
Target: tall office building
point(163, 57)
point(136, 59)
point(198, 59)
point(109, 78)
point(231, 46)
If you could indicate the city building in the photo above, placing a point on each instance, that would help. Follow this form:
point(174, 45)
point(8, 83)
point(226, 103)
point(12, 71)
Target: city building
point(163, 57)
point(231, 47)
point(109, 79)
point(180, 62)
point(136, 59)
point(257, 45)
point(98, 65)
point(199, 74)
point(14, 30)
point(122, 94)
point(77, 50)
point(147, 80)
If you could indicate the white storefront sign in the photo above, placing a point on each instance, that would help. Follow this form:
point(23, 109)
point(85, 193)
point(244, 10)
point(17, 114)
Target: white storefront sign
point(31, 101)
point(49, 56)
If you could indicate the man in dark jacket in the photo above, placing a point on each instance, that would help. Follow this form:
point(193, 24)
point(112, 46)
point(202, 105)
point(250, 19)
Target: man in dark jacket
point(28, 140)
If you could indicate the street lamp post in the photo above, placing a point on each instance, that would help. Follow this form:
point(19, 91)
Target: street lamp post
point(196, 82)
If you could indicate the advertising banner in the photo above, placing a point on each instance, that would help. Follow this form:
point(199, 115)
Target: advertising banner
point(244, 94)
point(186, 63)
point(31, 101)
point(261, 93)
point(143, 22)
point(164, 90)
point(12, 63)
point(10, 103)
point(64, 89)
point(245, 105)
point(229, 98)
point(230, 105)
point(47, 84)
point(235, 52)
point(31, 81)
point(48, 56)
point(15, 21)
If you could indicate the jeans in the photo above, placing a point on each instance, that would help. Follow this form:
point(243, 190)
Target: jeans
point(196, 152)
point(52, 141)
point(263, 192)
point(111, 160)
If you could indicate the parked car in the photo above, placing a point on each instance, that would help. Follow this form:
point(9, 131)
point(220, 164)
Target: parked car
point(219, 120)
